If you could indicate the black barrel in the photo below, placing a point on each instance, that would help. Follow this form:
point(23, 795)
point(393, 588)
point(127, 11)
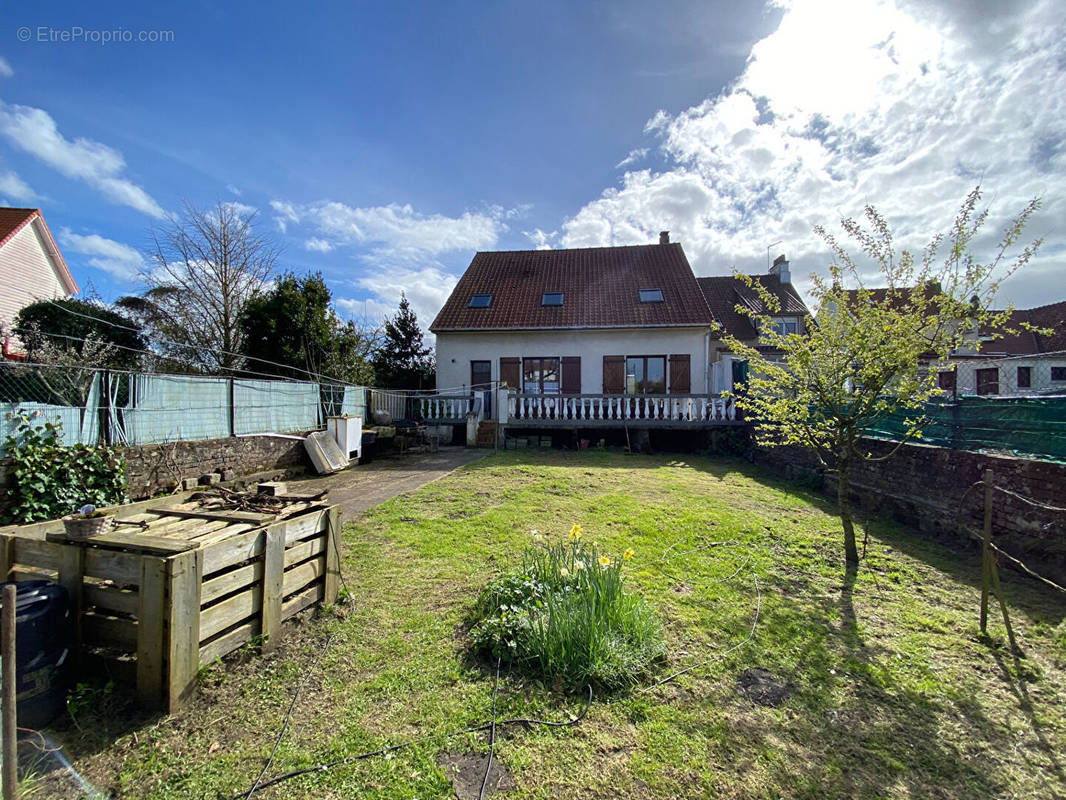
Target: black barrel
point(43, 634)
point(368, 447)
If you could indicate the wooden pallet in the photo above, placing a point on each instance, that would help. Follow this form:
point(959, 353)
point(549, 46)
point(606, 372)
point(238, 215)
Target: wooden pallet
point(176, 585)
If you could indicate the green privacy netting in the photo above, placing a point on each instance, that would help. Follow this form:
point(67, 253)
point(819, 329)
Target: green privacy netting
point(1029, 426)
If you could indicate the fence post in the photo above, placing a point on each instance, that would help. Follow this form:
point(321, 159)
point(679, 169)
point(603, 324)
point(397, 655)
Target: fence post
point(10, 755)
point(232, 410)
point(273, 582)
point(105, 406)
point(986, 554)
point(151, 611)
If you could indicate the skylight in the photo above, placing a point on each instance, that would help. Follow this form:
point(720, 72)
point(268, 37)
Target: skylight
point(480, 301)
point(551, 299)
point(651, 295)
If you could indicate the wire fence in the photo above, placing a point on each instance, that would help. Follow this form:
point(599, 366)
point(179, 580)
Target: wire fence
point(125, 408)
point(1008, 376)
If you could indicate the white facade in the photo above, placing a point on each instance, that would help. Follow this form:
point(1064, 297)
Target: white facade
point(28, 273)
point(1044, 374)
point(455, 351)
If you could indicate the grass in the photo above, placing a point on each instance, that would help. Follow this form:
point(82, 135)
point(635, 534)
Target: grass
point(892, 691)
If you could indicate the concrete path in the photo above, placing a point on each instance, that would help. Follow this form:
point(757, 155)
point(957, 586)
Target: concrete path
point(363, 486)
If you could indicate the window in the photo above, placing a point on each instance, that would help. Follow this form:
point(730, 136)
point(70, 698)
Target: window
point(1025, 377)
point(650, 295)
point(783, 326)
point(646, 375)
point(1058, 373)
point(946, 380)
point(988, 381)
point(540, 376)
point(480, 301)
point(551, 299)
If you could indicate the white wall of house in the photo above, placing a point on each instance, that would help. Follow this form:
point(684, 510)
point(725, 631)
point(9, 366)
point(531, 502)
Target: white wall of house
point(26, 273)
point(455, 351)
point(1042, 370)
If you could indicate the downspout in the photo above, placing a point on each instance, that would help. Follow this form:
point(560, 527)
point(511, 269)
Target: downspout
point(707, 361)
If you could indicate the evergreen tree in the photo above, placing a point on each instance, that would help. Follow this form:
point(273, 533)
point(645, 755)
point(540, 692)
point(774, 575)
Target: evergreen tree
point(403, 361)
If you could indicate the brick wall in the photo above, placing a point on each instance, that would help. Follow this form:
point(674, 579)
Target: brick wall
point(923, 486)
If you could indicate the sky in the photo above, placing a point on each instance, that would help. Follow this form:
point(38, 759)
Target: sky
point(384, 144)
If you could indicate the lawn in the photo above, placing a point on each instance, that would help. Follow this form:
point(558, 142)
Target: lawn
point(888, 689)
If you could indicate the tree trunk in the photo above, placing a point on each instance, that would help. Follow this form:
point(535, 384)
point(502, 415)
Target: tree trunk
point(851, 551)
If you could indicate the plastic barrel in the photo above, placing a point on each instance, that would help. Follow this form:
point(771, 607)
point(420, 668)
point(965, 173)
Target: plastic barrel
point(43, 633)
point(368, 447)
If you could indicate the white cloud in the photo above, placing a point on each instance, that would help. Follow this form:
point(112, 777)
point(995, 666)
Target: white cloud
point(904, 106)
point(285, 213)
point(316, 245)
point(542, 240)
point(34, 131)
point(5, 69)
point(11, 185)
point(426, 290)
point(233, 189)
point(243, 209)
point(118, 259)
point(632, 157)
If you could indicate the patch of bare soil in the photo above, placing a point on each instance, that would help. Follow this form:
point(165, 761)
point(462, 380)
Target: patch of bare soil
point(761, 687)
point(466, 771)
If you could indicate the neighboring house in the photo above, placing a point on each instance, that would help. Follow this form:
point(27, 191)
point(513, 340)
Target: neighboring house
point(725, 292)
point(601, 334)
point(1019, 362)
point(31, 268)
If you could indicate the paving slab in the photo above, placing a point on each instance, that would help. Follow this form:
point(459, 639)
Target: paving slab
point(364, 486)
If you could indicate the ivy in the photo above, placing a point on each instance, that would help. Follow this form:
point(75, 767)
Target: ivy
point(49, 479)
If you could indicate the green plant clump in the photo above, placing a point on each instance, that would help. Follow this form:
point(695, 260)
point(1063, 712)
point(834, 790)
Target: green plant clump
point(564, 615)
point(49, 479)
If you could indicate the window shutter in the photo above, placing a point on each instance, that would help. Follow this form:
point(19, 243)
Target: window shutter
point(680, 374)
point(614, 374)
point(509, 373)
point(571, 375)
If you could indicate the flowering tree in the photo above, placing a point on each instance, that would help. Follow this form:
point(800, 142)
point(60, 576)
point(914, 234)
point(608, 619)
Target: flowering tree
point(868, 353)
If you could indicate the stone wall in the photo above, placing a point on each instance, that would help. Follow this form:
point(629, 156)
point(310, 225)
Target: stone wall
point(924, 486)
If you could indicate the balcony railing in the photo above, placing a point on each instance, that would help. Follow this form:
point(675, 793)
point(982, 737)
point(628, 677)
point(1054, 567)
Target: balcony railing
point(614, 409)
point(443, 408)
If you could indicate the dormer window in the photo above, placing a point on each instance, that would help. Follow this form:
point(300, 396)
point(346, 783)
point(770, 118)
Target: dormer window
point(480, 301)
point(551, 299)
point(650, 295)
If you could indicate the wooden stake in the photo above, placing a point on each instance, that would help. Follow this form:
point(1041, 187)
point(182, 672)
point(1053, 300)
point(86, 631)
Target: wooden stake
point(986, 552)
point(7, 652)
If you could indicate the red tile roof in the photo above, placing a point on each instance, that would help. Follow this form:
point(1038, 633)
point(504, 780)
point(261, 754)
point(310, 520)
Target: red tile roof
point(724, 293)
point(599, 285)
point(13, 220)
point(1023, 342)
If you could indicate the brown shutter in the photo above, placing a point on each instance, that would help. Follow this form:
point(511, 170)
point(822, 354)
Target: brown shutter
point(571, 375)
point(509, 373)
point(680, 374)
point(614, 374)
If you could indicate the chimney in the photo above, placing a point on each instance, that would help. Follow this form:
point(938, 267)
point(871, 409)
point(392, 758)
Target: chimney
point(664, 237)
point(780, 269)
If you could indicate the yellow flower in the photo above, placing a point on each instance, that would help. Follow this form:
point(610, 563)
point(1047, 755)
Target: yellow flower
point(628, 554)
point(604, 561)
point(579, 565)
point(564, 572)
point(575, 532)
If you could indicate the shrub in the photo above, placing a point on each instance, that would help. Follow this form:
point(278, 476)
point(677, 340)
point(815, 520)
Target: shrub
point(565, 614)
point(49, 479)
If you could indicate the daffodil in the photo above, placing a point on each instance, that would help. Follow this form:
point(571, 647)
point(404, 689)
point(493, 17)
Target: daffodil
point(579, 565)
point(604, 561)
point(575, 532)
point(564, 572)
point(628, 554)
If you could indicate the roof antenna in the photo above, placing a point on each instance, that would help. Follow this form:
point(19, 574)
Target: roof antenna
point(768, 247)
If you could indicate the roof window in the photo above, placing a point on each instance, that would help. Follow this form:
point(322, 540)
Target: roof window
point(480, 301)
point(651, 295)
point(551, 299)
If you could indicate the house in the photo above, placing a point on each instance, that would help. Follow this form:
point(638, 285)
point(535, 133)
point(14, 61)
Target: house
point(583, 337)
point(31, 268)
point(1018, 361)
point(725, 292)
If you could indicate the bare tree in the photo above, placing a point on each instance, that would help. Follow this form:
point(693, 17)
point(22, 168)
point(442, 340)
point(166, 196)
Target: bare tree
point(205, 266)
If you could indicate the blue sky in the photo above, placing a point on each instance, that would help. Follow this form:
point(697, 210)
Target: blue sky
point(383, 144)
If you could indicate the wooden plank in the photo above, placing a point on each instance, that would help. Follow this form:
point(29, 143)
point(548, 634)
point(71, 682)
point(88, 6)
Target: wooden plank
point(230, 582)
point(150, 640)
point(112, 565)
point(36, 553)
point(7, 557)
point(305, 550)
point(110, 598)
point(333, 556)
point(229, 642)
point(273, 578)
point(230, 611)
point(120, 512)
point(303, 527)
point(184, 574)
point(109, 631)
point(20, 574)
point(301, 601)
point(229, 516)
point(298, 577)
point(71, 571)
point(143, 543)
point(224, 533)
point(233, 550)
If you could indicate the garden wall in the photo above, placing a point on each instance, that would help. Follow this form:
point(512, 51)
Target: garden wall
point(923, 486)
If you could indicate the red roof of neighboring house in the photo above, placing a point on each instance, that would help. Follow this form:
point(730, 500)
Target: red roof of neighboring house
point(599, 284)
point(1023, 342)
point(724, 293)
point(13, 220)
